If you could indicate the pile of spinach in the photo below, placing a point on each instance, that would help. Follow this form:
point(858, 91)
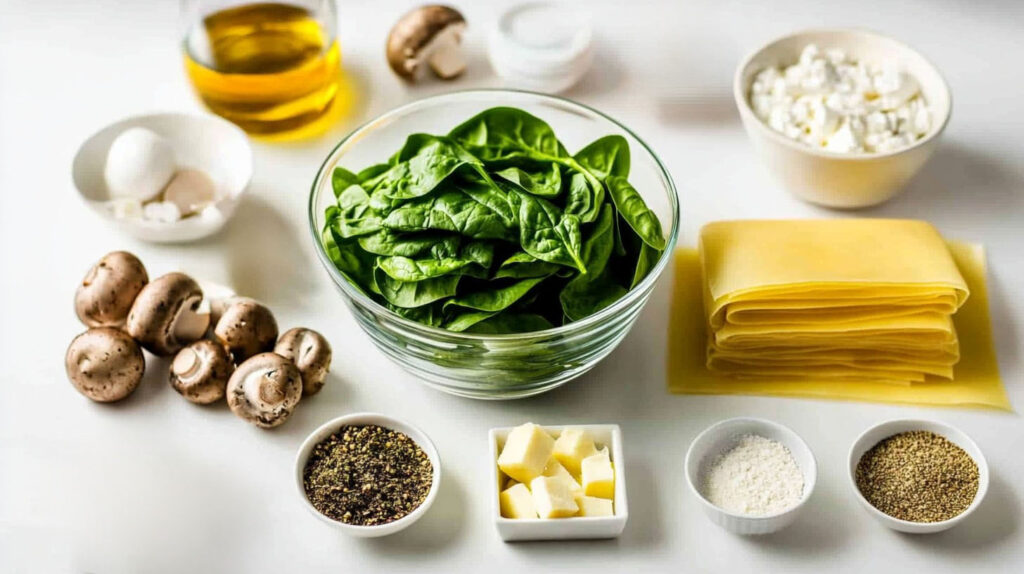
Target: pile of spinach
point(494, 227)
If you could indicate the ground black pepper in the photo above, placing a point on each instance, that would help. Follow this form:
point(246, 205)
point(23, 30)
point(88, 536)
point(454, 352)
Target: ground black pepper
point(367, 475)
point(918, 476)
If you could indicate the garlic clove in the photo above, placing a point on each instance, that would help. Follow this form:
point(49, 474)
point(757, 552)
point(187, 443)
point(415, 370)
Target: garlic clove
point(191, 191)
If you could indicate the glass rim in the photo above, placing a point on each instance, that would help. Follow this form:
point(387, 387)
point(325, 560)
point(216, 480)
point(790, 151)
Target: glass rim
point(568, 329)
point(187, 21)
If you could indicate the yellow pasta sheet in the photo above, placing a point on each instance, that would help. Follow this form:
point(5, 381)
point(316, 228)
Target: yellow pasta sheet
point(822, 284)
point(806, 364)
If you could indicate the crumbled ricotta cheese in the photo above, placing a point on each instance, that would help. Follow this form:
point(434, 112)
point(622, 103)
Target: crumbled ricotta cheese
point(828, 100)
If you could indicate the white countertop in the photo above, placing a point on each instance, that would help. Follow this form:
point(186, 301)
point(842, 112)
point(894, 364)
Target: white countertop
point(156, 484)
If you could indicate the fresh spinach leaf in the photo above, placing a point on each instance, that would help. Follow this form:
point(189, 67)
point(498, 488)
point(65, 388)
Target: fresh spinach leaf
point(584, 295)
point(547, 183)
point(465, 319)
point(548, 234)
point(353, 216)
point(411, 270)
point(431, 314)
point(503, 134)
point(388, 242)
point(505, 323)
point(449, 211)
point(341, 179)
point(522, 265)
point(423, 163)
point(483, 189)
point(409, 294)
point(646, 260)
point(606, 156)
point(494, 299)
point(634, 211)
point(353, 263)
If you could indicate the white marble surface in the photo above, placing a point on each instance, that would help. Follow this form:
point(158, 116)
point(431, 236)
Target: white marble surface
point(156, 484)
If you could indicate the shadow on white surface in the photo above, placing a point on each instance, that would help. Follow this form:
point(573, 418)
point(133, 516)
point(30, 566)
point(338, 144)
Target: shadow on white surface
point(604, 76)
point(646, 525)
point(961, 186)
point(813, 533)
point(709, 109)
point(439, 528)
point(264, 259)
point(994, 522)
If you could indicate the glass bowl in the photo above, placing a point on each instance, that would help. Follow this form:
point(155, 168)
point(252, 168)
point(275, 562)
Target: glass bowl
point(495, 366)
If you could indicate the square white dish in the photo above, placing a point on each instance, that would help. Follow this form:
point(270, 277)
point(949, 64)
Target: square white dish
point(575, 528)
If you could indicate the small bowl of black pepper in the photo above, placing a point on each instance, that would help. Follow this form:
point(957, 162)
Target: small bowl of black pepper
point(368, 474)
point(918, 476)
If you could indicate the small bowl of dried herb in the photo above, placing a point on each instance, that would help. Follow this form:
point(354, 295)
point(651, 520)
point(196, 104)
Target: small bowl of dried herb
point(368, 474)
point(918, 476)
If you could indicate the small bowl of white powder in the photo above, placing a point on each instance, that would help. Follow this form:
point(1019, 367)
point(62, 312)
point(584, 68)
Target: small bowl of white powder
point(842, 118)
point(751, 476)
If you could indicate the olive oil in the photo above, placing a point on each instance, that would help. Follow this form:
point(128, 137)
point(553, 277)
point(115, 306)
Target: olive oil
point(270, 68)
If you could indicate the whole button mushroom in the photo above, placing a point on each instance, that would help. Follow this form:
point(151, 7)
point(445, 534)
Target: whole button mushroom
point(429, 34)
point(167, 314)
point(264, 389)
point(109, 288)
point(104, 364)
point(310, 352)
point(200, 372)
point(245, 327)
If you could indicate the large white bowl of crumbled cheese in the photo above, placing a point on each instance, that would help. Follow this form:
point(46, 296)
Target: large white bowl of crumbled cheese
point(843, 118)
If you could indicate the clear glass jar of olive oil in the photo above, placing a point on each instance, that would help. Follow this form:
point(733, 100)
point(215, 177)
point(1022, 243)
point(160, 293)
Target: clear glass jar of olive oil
point(274, 69)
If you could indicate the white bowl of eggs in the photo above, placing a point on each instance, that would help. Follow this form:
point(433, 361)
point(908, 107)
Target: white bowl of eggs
point(165, 178)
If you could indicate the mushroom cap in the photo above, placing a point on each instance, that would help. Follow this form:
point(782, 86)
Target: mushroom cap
point(310, 352)
point(200, 372)
point(104, 364)
point(166, 314)
point(107, 291)
point(414, 32)
point(265, 389)
point(246, 327)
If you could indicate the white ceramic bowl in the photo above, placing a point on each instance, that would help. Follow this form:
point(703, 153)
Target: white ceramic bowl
point(332, 426)
point(829, 178)
point(203, 142)
point(879, 432)
point(722, 436)
point(574, 528)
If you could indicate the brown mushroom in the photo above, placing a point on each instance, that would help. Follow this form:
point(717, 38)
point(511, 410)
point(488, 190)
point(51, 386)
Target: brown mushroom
point(265, 389)
point(109, 288)
point(430, 34)
point(104, 364)
point(168, 314)
point(310, 352)
point(200, 372)
point(245, 327)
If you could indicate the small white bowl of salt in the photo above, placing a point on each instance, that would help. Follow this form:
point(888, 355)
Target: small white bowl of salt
point(751, 476)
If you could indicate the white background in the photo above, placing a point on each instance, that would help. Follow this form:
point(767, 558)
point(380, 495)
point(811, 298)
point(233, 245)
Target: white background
point(156, 484)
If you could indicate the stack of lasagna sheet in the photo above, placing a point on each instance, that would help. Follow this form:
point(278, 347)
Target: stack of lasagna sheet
point(865, 300)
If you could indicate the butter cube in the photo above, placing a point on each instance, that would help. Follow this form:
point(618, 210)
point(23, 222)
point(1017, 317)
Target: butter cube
point(598, 476)
point(517, 502)
point(593, 506)
point(552, 498)
point(554, 469)
point(572, 446)
point(526, 452)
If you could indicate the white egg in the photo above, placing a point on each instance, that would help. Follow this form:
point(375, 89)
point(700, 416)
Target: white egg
point(139, 164)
